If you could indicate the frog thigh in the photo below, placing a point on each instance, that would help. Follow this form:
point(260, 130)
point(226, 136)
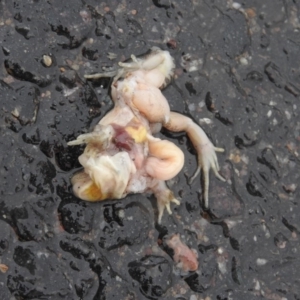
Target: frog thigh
point(151, 103)
point(165, 160)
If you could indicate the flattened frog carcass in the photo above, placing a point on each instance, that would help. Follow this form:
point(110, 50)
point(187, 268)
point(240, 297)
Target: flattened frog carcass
point(122, 156)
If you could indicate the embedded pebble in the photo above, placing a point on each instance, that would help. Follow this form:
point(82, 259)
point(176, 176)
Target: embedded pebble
point(47, 60)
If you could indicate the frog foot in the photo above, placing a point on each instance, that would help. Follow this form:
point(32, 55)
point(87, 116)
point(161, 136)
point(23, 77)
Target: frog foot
point(207, 159)
point(164, 198)
point(164, 202)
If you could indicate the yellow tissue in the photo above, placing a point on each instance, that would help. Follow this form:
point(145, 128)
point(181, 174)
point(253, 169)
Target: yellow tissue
point(139, 134)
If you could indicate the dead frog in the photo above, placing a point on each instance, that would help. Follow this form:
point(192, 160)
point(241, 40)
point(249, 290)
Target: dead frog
point(122, 156)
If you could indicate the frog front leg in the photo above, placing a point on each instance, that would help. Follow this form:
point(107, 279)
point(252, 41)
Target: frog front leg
point(146, 63)
point(206, 151)
point(158, 67)
point(156, 58)
point(100, 136)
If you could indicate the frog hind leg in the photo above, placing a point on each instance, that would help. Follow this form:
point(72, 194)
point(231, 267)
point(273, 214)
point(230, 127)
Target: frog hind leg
point(165, 159)
point(206, 151)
